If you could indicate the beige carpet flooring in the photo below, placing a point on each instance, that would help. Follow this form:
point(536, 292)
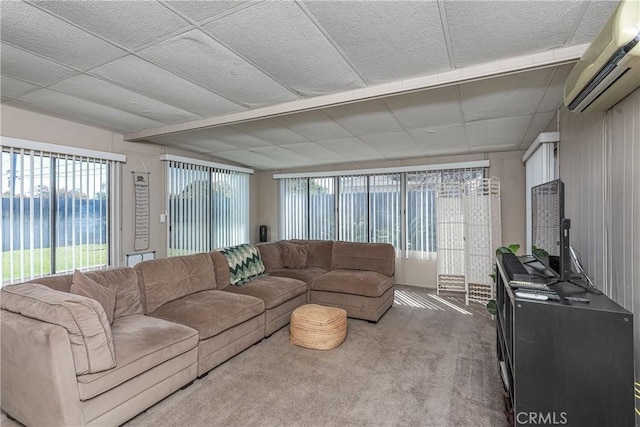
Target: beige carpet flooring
point(425, 363)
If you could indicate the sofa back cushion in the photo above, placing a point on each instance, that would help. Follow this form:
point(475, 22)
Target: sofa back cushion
point(271, 254)
point(82, 285)
point(83, 318)
point(320, 252)
point(122, 279)
point(221, 267)
point(125, 282)
point(168, 279)
point(294, 255)
point(244, 263)
point(380, 257)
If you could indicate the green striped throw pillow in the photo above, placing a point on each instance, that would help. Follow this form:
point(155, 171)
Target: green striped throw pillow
point(244, 262)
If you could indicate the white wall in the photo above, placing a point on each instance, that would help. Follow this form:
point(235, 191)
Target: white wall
point(600, 165)
point(18, 123)
point(507, 166)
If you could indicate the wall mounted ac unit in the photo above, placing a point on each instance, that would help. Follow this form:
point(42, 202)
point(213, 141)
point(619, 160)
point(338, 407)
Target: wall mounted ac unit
point(610, 67)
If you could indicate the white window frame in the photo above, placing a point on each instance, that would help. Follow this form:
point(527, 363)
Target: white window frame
point(203, 242)
point(368, 173)
point(114, 164)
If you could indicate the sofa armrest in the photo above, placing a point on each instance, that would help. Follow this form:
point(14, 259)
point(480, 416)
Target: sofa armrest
point(37, 373)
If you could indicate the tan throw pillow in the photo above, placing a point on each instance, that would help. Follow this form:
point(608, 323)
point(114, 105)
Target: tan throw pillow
point(294, 255)
point(84, 286)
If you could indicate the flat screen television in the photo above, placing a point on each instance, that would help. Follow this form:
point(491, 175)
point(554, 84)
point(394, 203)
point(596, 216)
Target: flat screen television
point(550, 232)
point(549, 227)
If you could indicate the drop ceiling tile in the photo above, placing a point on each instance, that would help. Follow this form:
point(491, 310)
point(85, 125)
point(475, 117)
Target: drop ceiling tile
point(294, 52)
point(316, 152)
point(352, 149)
point(281, 154)
point(203, 138)
point(13, 88)
point(364, 118)
point(59, 103)
point(314, 125)
point(393, 40)
point(31, 68)
point(251, 159)
point(435, 140)
point(179, 145)
point(270, 130)
point(34, 30)
point(495, 132)
point(101, 92)
point(555, 93)
point(434, 107)
point(392, 145)
point(198, 11)
point(537, 126)
point(197, 139)
point(130, 24)
point(211, 65)
point(594, 18)
point(158, 83)
point(483, 31)
point(512, 95)
point(228, 135)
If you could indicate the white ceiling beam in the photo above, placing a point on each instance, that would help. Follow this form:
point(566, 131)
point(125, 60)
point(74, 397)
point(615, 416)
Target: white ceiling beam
point(512, 65)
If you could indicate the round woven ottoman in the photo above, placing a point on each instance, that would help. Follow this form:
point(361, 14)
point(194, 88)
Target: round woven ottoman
point(318, 327)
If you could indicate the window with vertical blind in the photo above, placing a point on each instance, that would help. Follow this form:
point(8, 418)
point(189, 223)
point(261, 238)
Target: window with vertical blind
point(396, 207)
point(58, 206)
point(322, 215)
point(353, 208)
point(208, 205)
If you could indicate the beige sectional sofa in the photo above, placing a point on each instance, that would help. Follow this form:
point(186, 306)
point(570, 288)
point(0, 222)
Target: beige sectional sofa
point(169, 322)
point(358, 277)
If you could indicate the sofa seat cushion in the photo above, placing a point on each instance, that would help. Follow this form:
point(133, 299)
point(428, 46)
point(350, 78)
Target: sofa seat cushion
point(355, 282)
point(141, 343)
point(272, 290)
point(211, 312)
point(305, 274)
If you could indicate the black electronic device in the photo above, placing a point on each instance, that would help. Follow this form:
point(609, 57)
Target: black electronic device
point(549, 227)
point(514, 268)
point(550, 232)
point(263, 233)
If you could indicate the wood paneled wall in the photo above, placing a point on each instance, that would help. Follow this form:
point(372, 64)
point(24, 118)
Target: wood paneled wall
point(600, 165)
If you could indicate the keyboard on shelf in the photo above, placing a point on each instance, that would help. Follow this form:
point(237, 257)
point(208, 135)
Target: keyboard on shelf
point(521, 284)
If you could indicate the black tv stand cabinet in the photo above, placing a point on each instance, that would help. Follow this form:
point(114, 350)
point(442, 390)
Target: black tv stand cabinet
point(565, 364)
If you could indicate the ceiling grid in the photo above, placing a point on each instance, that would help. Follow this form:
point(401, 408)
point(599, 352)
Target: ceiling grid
point(276, 85)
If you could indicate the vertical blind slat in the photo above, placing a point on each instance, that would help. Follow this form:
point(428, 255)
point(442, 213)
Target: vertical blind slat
point(398, 208)
point(208, 208)
point(29, 218)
